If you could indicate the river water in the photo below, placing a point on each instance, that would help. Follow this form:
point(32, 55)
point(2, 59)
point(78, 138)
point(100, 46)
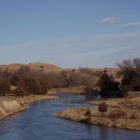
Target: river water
point(40, 123)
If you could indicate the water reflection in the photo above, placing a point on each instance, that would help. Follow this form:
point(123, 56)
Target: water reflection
point(103, 133)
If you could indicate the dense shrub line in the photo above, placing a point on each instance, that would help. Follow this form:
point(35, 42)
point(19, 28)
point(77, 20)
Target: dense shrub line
point(27, 81)
point(129, 74)
point(24, 81)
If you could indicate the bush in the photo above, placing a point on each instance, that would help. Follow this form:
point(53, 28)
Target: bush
point(102, 107)
point(130, 81)
point(14, 80)
point(91, 91)
point(33, 86)
point(20, 91)
point(133, 115)
point(44, 88)
point(116, 114)
point(4, 87)
point(130, 73)
point(27, 81)
point(108, 87)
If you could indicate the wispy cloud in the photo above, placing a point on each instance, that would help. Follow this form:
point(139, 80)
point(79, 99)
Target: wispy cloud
point(98, 50)
point(109, 20)
point(132, 24)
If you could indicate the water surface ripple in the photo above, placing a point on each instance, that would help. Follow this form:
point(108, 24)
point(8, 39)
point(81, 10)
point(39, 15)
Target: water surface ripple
point(39, 123)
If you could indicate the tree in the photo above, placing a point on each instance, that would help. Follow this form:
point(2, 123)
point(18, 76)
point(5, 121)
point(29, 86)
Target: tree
point(102, 107)
point(33, 86)
point(20, 91)
point(5, 87)
point(130, 73)
point(91, 91)
point(44, 87)
point(108, 87)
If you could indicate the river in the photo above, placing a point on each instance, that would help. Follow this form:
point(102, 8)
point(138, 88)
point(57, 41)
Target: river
point(40, 123)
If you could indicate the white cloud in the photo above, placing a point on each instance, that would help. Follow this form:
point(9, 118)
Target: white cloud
point(109, 20)
point(132, 24)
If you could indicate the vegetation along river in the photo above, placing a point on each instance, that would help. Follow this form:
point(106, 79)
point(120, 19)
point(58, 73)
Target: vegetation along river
point(40, 123)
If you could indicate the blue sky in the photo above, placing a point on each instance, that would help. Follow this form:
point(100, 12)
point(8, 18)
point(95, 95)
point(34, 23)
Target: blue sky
point(69, 33)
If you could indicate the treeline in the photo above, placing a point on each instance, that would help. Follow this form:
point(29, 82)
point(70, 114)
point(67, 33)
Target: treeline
point(23, 82)
point(129, 75)
point(26, 81)
point(71, 78)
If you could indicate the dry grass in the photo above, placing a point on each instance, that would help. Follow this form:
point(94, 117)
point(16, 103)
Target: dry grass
point(122, 113)
point(11, 104)
point(133, 115)
point(73, 90)
point(35, 66)
point(118, 113)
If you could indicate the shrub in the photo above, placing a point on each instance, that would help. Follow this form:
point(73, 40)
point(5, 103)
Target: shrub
point(133, 115)
point(87, 113)
point(14, 80)
point(130, 73)
point(108, 87)
point(91, 91)
point(116, 114)
point(20, 91)
point(44, 88)
point(102, 107)
point(20, 75)
point(33, 86)
point(4, 87)
point(130, 81)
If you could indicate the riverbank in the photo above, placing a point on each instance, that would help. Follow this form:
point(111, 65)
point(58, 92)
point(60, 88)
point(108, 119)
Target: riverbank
point(122, 113)
point(11, 104)
point(73, 90)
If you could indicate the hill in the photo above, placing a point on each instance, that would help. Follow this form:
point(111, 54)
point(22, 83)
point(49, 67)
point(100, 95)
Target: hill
point(36, 66)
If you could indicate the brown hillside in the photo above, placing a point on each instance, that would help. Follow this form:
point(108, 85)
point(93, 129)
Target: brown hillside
point(36, 66)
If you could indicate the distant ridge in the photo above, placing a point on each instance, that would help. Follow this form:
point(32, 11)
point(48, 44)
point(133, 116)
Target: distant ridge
point(35, 66)
point(52, 68)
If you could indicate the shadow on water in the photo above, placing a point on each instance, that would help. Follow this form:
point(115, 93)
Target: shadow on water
point(40, 123)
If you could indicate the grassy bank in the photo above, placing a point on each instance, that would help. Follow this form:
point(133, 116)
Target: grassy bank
point(74, 90)
point(122, 113)
point(11, 104)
